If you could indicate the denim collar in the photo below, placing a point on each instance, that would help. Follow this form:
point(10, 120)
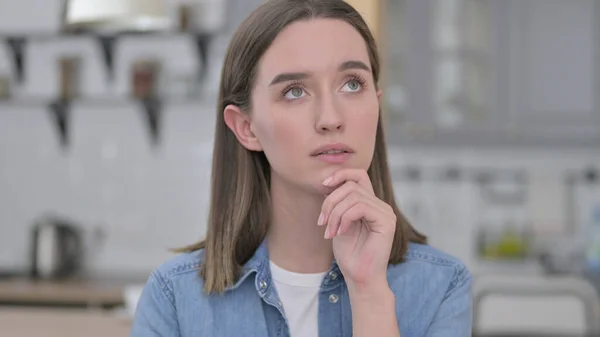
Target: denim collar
point(259, 265)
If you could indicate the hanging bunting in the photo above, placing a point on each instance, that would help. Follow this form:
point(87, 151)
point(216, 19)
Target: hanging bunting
point(17, 47)
point(60, 114)
point(153, 110)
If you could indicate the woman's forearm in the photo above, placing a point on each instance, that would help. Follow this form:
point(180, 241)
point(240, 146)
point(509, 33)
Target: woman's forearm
point(373, 311)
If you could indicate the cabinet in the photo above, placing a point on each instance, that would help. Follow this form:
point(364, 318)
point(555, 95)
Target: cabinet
point(492, 73)
point(553, 70)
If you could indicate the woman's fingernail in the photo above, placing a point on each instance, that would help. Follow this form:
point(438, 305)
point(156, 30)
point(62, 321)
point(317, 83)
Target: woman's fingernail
point(326, 233)
point(320, 221)
point(327, 181)
point(339, 230)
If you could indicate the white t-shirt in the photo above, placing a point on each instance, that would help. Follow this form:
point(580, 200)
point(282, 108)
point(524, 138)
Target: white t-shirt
point(299, 295)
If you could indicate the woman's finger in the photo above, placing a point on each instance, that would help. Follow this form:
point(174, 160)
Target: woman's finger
point(338, 195)
point(359, 176)
point(333, 199)
point(352, 217)
point(338, 210)
point(363, 212)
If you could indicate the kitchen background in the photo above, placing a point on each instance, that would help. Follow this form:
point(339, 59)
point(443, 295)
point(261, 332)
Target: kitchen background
point(492, 116)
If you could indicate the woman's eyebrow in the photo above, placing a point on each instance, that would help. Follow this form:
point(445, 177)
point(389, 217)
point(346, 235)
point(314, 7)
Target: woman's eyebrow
point(352, 64)
point(284, 77)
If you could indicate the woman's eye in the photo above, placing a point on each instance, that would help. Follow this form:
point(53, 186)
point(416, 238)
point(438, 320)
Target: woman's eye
point(352, 86)
point(294, 93)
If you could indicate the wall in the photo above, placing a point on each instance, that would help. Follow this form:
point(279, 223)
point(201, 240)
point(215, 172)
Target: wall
point(557, 205)
point(147, 200)
point(144, 200)
point(370, 11)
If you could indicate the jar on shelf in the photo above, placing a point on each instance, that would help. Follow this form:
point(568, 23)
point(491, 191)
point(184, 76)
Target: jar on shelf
point(185, 17)
point(69, 77)
point(144, 78)
point(4, 87)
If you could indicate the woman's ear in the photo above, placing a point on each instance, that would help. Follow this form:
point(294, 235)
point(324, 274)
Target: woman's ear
point(239, 123)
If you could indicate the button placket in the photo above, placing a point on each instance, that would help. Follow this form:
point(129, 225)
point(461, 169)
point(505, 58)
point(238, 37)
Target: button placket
point(333, 298)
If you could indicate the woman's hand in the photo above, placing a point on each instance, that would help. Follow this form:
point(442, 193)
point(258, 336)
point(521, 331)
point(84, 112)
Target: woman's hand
point(362, 227)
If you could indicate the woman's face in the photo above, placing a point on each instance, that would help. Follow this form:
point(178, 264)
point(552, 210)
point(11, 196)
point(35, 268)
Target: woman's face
point(315, 107)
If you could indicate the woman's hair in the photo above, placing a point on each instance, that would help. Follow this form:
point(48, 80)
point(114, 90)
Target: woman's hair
point(240, 203)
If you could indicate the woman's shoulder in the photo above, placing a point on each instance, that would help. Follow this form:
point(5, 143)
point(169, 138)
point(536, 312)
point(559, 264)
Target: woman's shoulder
point(161, 297)
point(435, 288)
point(427, 266)
point(427, 254)
point(182, 265)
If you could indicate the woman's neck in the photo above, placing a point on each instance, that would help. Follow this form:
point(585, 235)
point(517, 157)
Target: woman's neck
point(295, 241)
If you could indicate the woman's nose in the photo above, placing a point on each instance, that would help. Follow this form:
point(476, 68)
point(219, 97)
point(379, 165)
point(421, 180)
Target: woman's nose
point(329, 117)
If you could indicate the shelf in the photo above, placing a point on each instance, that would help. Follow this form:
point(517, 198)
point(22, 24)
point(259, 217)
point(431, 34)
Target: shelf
point(60, 111)
point(100, 101)
point(106, 42)
point(428, 136)
point(45, 36)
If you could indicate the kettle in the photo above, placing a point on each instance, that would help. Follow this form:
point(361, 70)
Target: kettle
point(56, 249)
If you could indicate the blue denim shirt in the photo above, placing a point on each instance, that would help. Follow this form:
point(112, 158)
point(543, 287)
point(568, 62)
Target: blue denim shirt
point(432, 289)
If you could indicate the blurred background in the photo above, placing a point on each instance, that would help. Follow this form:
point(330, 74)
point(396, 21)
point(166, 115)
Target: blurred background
point(106, 128)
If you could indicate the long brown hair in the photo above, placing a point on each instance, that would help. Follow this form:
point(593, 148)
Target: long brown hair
point(240, 204)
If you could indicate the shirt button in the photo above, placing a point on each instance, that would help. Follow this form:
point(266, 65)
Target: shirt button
point(263, 284)
point(333, 298)
point(332, 275)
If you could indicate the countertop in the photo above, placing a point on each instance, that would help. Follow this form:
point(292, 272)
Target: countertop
point(76, 292)
point(74, 307)
point(33, 322)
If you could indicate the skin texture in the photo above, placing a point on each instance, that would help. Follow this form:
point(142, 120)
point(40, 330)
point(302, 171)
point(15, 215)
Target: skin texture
point(323, 210)
point(329, 109)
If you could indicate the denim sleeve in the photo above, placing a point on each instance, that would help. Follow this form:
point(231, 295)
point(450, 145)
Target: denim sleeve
point(454, 317)
point(155, 314)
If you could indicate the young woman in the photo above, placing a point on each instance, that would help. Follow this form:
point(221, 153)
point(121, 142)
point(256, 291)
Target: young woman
point(304, 236)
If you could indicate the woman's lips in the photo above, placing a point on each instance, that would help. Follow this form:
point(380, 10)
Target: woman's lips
point(334, 158)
